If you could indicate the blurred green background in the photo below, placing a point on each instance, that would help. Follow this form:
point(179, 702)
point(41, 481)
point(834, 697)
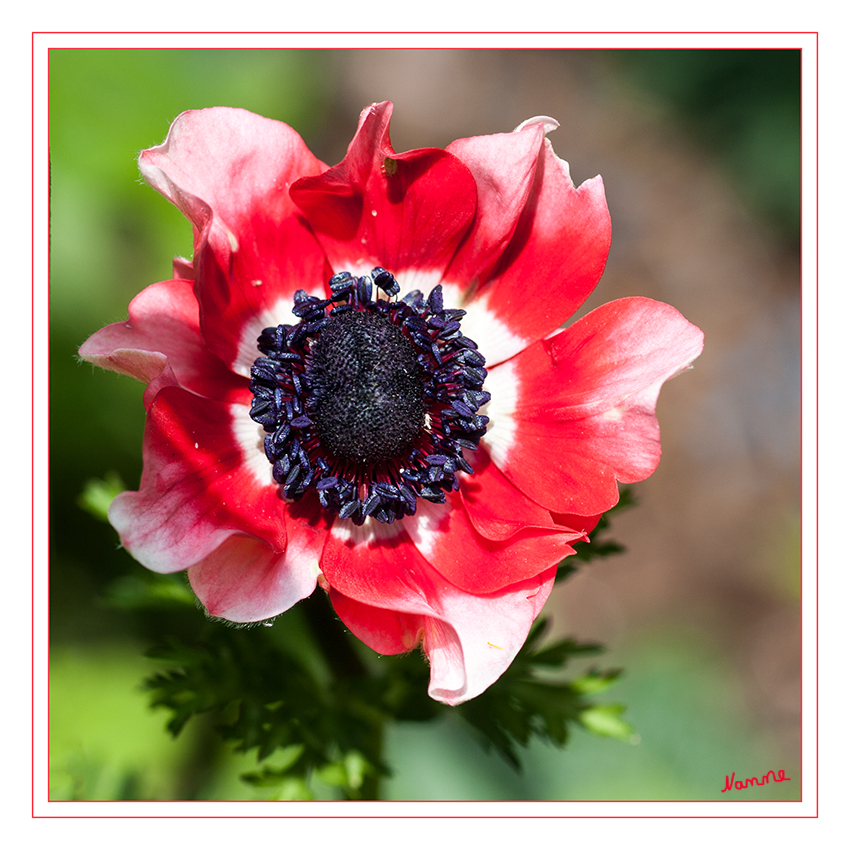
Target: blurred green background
point(700, 151)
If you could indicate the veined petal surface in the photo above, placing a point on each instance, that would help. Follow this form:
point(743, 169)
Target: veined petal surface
point(393, 600)
point(381, 208)
point(197, 487)
point(584, 411)
point(555, 256)
point(246, 581)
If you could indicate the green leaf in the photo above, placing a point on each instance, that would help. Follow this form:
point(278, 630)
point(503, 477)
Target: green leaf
point(98, 494)
point(605, 720)
point(294, 788)
point(348, 772)
point(595, 681)
point(521, 705)
point(559, 653)
point(595, 546)
point(302, 723)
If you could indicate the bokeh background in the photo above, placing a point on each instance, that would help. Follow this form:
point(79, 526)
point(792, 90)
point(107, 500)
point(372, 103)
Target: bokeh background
point(700, 153)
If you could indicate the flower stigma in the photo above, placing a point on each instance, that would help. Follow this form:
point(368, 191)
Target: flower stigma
point(369, 402)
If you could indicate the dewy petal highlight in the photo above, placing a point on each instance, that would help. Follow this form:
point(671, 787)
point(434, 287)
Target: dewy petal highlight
point(470, 258)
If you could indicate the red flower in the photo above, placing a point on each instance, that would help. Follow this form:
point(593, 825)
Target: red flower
point(338, 445)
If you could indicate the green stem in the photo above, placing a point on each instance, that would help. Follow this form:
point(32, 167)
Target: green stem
point(345, 664)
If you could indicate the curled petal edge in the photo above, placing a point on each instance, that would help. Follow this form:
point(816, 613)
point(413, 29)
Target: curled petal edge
point(393, 600)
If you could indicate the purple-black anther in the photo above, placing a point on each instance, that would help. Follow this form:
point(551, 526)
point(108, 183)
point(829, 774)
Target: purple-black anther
point(287, 389)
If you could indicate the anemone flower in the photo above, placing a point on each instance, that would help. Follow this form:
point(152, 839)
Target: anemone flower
point(361, 381)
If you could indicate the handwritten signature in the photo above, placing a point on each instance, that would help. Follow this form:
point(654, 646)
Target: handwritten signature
point(739, 785)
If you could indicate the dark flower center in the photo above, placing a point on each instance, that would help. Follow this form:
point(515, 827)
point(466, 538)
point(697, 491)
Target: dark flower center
point(369, 388)
point(369, 402)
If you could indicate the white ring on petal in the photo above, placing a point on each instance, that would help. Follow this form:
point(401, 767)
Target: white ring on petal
point(421, 279)
point(268, 317)
point(503, 385)
point(494, 338)
point(363, 535)
point(358, 268)
point(423, 525)
point(250, 437)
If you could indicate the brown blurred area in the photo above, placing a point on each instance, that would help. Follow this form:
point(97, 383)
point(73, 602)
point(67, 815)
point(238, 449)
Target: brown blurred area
point(714, 542)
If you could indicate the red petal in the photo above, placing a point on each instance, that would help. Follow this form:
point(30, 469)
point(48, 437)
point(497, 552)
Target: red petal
point(452, 545)
point(496, 509)
point(203, 480)
point(584, 413)
point(230, 171)
point(379, 208)
point(163, 328)
point(390, 597)
point(553, 261)
point(377, 564)
point(384, 630)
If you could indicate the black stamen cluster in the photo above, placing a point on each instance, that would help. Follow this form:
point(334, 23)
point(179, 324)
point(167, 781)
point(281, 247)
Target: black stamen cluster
point(369, 402)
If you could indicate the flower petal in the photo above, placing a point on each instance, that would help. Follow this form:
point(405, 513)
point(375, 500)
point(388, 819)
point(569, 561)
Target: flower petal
point(498, 222)
point(198, 485)
point(504, 166)
point(230, 171)
point(497, 510)
point(163, 328)
point(553, 261)
point(583, 412)
point(391, 598)
point(246, 581)
point(386, 631)
point(379, 208)
point(449, 541)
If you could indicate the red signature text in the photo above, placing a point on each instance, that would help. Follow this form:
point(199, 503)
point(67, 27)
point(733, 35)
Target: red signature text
point(740, 785)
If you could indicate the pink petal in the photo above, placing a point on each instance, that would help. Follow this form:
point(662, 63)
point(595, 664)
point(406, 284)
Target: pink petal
point(230, 171)
point(553, 261)
point(163, 328)
point(584, 413)
point(245, 581)
point(504, 166)
point(183, 268)
point(200, 484)
point(379, 208)
point(391, 598)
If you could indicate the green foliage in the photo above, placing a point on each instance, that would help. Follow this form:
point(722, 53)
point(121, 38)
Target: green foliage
point(313, 710)
point(146, 589)
point(605, 720)
point(522, 704)
point(98, 494)
point(595, 547)
point(308, 726)
point(302, 721)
